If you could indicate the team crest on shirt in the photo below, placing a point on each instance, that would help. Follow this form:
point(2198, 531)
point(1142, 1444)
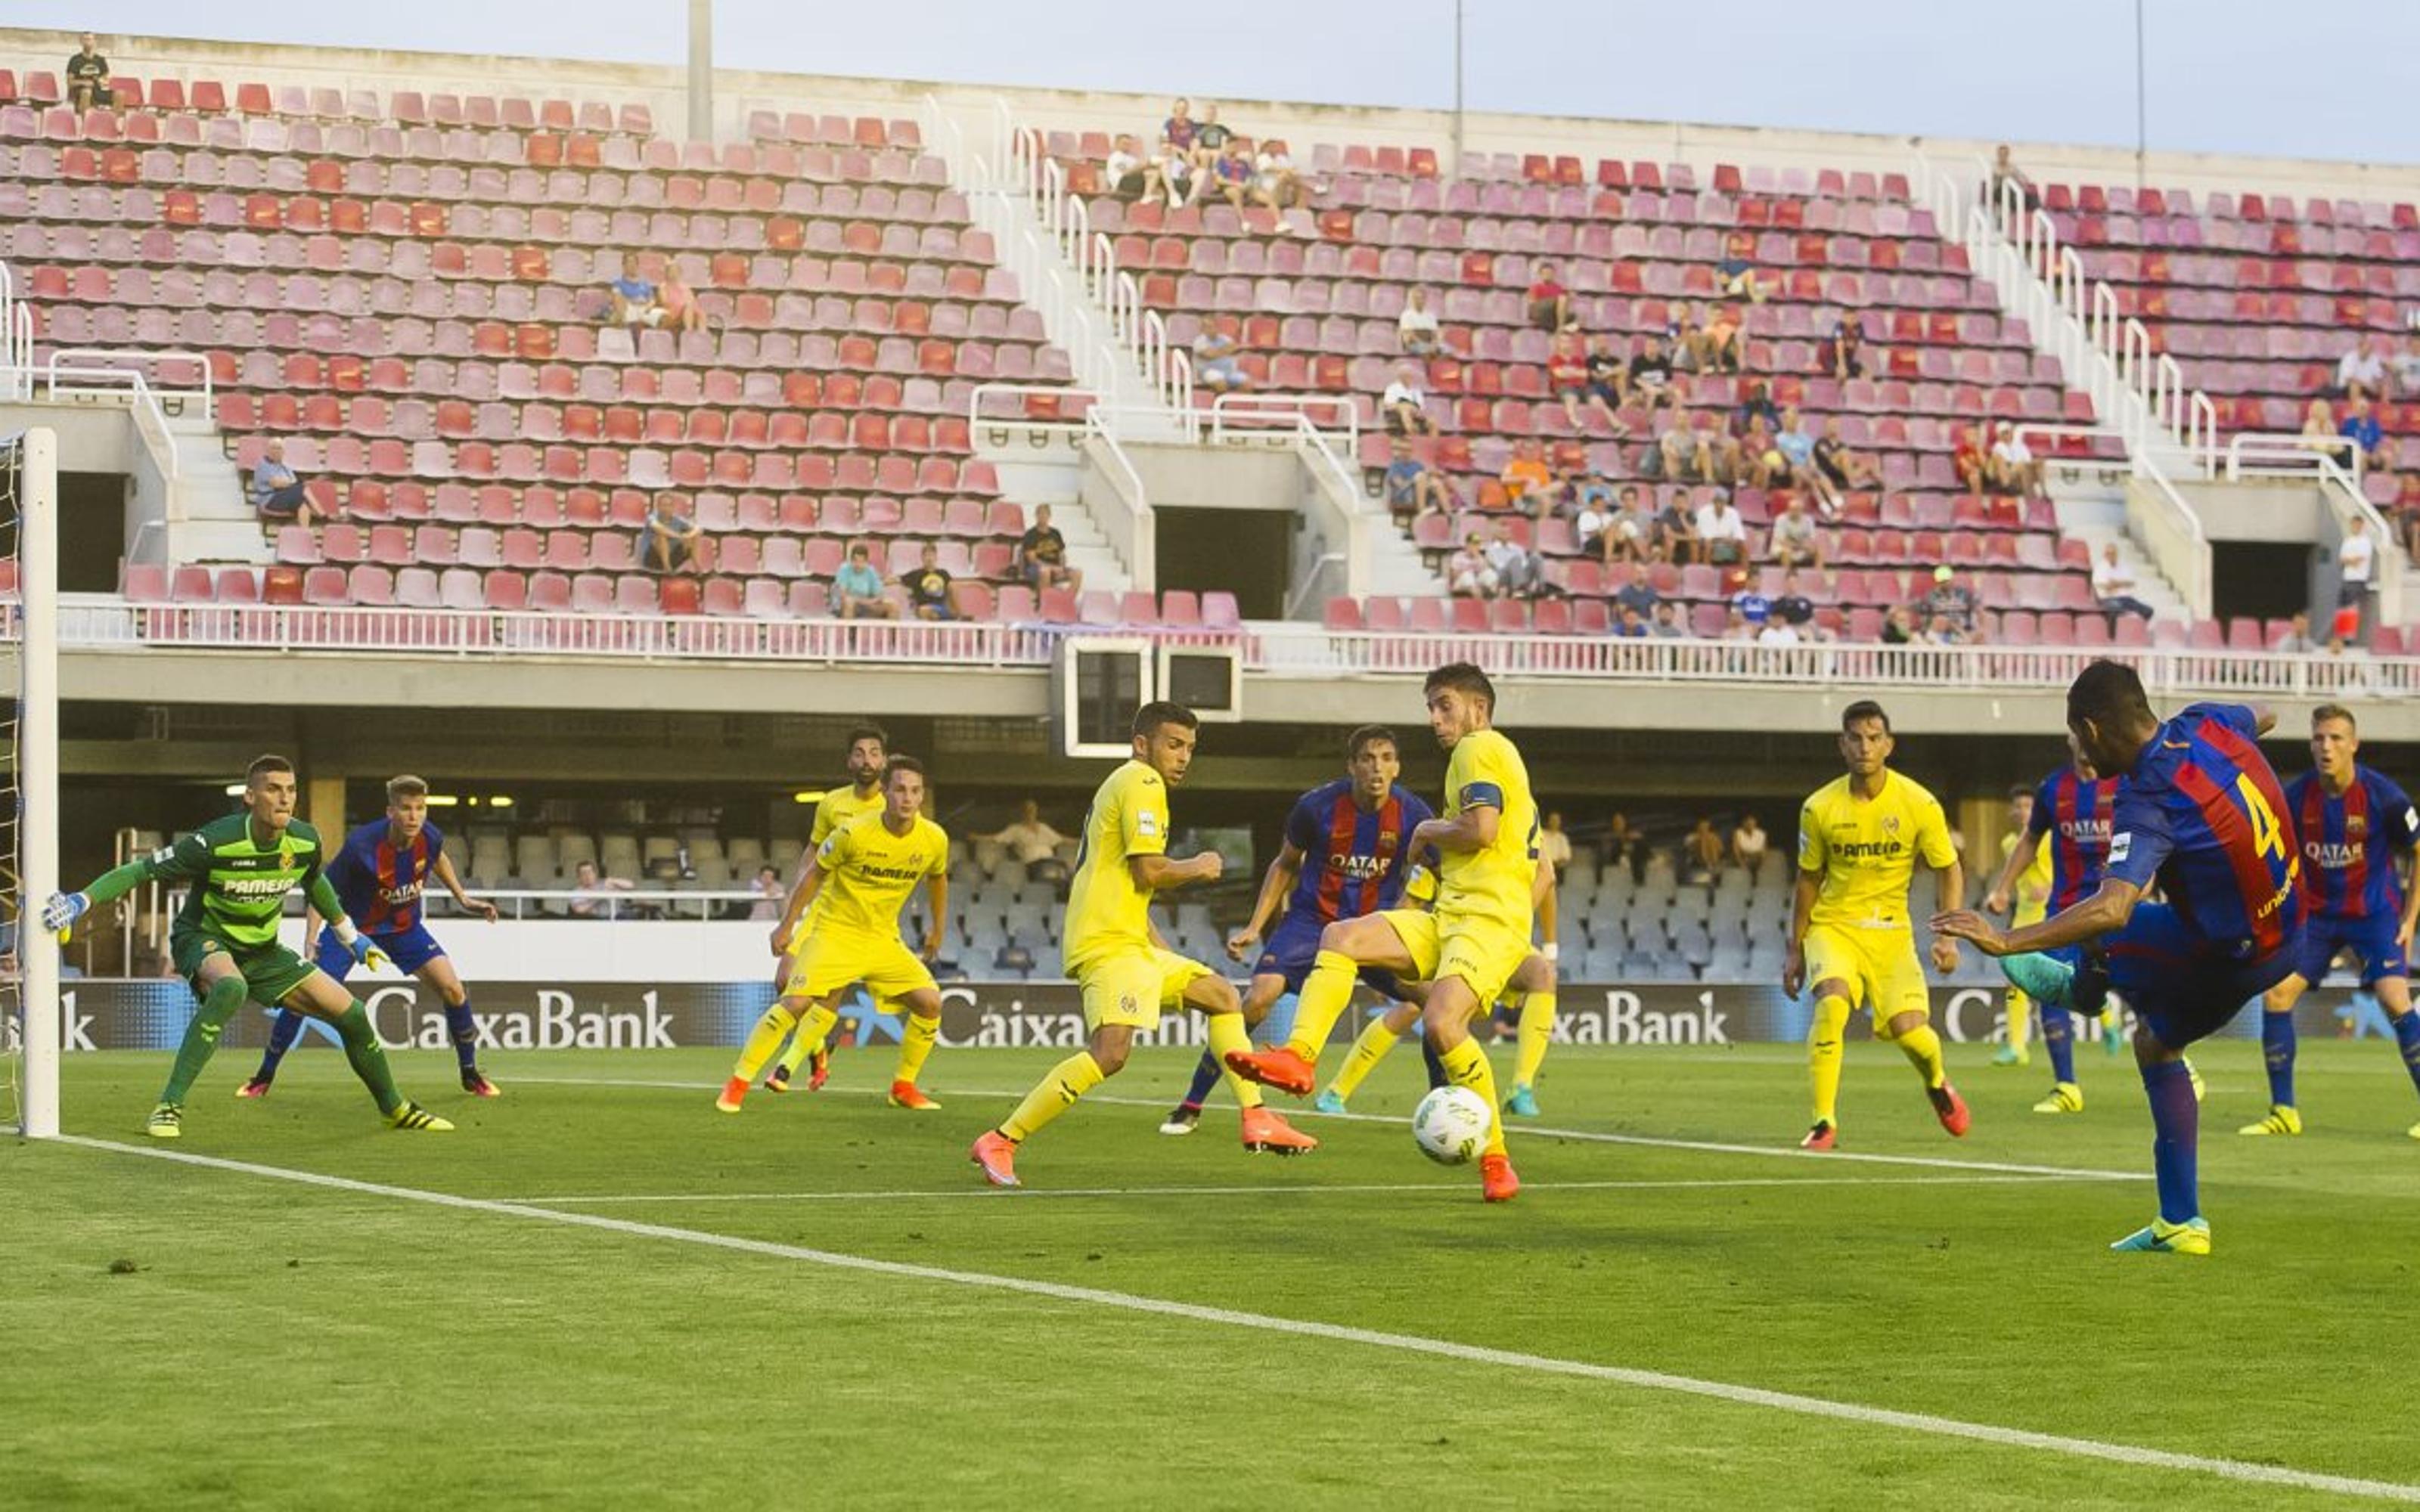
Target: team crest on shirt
point(1125, 1002)
point(1890, 823)
point(2355, 826)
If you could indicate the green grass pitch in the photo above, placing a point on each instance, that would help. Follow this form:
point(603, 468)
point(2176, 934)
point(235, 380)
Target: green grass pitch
point(271, 1343)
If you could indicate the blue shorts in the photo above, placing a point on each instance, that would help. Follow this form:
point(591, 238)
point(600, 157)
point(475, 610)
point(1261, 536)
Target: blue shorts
point(2372, 939)
point(409, 949)
point(1293, 947)
point(2178, 984)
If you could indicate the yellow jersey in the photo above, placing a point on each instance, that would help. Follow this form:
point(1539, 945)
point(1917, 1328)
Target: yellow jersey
point(1494, 882)
point(2033, 883)
point(1107, 914)
point(839, 806)
point(1866, 849)
point(869, 871)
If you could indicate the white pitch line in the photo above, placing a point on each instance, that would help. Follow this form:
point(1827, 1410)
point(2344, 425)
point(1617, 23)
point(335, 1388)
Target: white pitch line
point(1525, 1130)
point(1261, 1324)
point(1452, 1189)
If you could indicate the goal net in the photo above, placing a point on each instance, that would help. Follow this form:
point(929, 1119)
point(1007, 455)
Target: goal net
point(29, 964)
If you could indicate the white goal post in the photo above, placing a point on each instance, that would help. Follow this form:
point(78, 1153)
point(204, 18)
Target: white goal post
point(31, 461)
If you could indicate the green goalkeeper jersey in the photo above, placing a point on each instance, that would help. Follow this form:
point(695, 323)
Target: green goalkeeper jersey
point(238, 885)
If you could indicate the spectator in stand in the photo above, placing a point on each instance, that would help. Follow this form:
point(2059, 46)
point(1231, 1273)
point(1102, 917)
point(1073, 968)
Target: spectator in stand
point(1414, 489)
point(2005, 178)
point(1631, 534)
point(1230, 175)
point(1668, 626)
point(1702, 854)
point(1757, 404)
point(1736, 273)
point(1416, 328)
point(1748, 845)
point(1778, 633)
point(771, 897)
point(2015, 470)
point(1941, 630)
point(1581, 489)
point(856, 589)
point(1898, 626)
point(678, 303)
point(2297, 639)
point(634, 296)
point(1722, 531)
point(1753, 605)
point(1676, 535)
point(589, 893)
point(1518, 572)
point(1797, 448)
point(2407, 368)
point(668, 539)
point(2361, 373)
point(1178, 135)
point(1761, 463)
point(1651, 370)
point(1723, 351)
point(1637, 594)
point(277, 490)
point(1550, 303)
point(88, 77)
point(1795, 540)
point(1041, 556)
point(1844, 352)
point(1217, 364)
point(1700, 449)
point(1031, 845)
point(1952, 601)
point(2320, 432)
point(1739, 630)
point(2113, 585)
point(1554, 846)
point(1845, 471)
point(1567, 372)
point(1274, 179)
point(1630, 627)
point(2361, 427)
point(1593, 528)
point(1793, 608)
point(2356, 566)
point(1973, 460)
point(1685, 336)
point(1133, 176)
point(1525, 472)
point(1211, 140)
point(1625, 846)
point(1402, 407)
point(1466, 571)
point(1608, 384)
point(931, 594)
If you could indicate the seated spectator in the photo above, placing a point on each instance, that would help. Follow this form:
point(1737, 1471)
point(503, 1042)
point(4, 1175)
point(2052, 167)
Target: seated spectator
point(1845, 471)
point(1468, 574)
point(1567, 374)
point(589, 893)
point(1132, 177)
point(2113, 585)
point(1550, 303)
point(1608, 384)
point(1723, 351)
point(1668, 626)
point(1703, 451)
point(1178, 137)
point(277, 491)
point(1215, 361)
point(1685, 336)
point(1749, 843)
point(2297, 639)
point(634, 296)
point(1797, 449)
point(1041, 556)
point(1761, 463)
point(1941, 630)
point(1736, 273)
point(1952, 601)
point(1274, 179)
point(1898, 626)
point(2407, 368)
point(1625, 846)
point(1211, 141)
point(1792, 606)
point(1593, 528)
point(668, 539)
point(1231, 176)
point(1554, 846)
point(678, 303)
point(1416, 328)
point(1402, 405)
point(1631, 626)
point(1638, 593)
point(1651, 370)
point(773, 898)
point(1702, 854)
point(1796, 541)
point(1778, 633)
point(1973, 460)
point(1519, 574)
point(1737, 628)
point(2361, 373)
point(1723, 530)
point(1676, 534)
point(1033, 844)
point(931, 594)
point(1844, 352)
point(88, 77)
point(1630, 532)
point(856, 589)
point(1527, 470)
point(2361, 427)
point(2015, 470)
point(2319, 433)
point(1753, 605)
point(1755, 403)
point(1414, 489)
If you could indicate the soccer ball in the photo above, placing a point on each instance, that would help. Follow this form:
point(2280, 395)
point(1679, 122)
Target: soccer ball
point(1450, 1124)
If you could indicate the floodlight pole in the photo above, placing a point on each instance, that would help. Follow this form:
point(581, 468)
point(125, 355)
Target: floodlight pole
point(1457, 87)
point(700, 70)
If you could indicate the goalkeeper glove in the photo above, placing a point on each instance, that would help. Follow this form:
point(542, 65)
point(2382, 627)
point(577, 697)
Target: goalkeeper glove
point(62, 909)
point(365, 954)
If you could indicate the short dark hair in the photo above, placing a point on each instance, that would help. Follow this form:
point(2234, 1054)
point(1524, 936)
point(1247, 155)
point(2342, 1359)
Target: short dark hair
point(899, 765)
point(1158, 711)
point(1859, 712)
point(1369, 735)
point(2018, 790)
point(1462, 678)
point(867, 731)
point(405, 786)
point(263, 765)
point(2333, 711)
point(2107, 693)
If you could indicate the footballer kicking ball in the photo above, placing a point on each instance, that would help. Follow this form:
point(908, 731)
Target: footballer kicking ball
point(1450, 1124)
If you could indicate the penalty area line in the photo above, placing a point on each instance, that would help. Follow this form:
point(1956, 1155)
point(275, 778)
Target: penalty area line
point(1261, 1324)
point(1460, 1190)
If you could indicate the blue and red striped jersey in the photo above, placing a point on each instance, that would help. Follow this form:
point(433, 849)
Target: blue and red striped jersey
point(377, 881)
point(1353, 858)
point(2075, 813)
point(2349, 843)
point(2203, 813)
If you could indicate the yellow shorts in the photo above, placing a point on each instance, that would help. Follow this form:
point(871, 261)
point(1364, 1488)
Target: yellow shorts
point(1879, 967)
point(1130, 988)
point(829, 960)
point(1483, 953)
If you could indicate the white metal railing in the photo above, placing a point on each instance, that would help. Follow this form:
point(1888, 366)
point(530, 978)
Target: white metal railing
point(2171, 532)
point(1126, 514)
point(88, 373)
point(16, 339)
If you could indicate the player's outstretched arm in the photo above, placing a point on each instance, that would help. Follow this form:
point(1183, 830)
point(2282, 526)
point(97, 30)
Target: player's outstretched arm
point(188, 860)
point(1279, 880)
point(1793, 954)
point(453, 885)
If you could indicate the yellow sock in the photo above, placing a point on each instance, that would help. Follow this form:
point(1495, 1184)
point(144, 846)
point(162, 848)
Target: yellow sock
point(2021, 1019)
point(1325, 994)
point(815, 1028)
point(1054, 1094)
point(1537, 1031)
point(763, 1040)
point(1228, 1032)
point(1466, 1065)
point(1824, 1047)
point(1368, 1050)
point(916, 1037)
point(1922, 1048)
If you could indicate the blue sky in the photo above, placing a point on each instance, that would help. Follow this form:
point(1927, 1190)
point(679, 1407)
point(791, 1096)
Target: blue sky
point(2220, 77)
